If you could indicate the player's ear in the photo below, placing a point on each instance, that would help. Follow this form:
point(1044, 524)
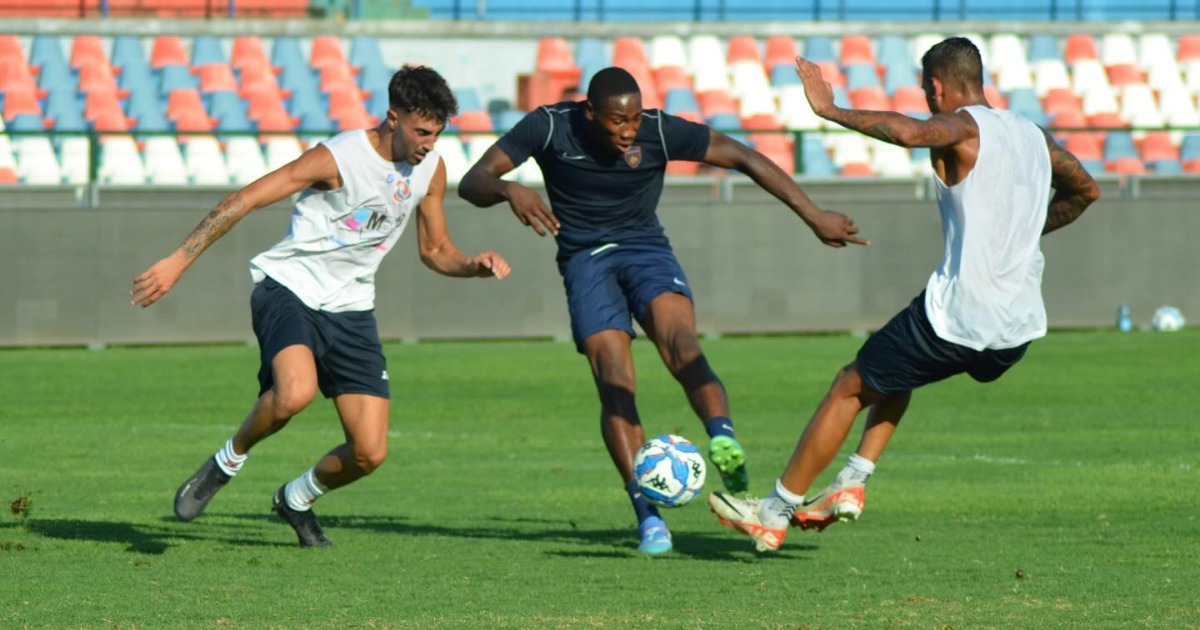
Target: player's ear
point(589, 112)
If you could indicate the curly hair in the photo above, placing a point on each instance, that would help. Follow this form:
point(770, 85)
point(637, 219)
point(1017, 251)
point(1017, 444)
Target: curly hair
point(422, 90)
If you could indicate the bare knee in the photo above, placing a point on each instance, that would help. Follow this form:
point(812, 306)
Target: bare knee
point(369, 458)
point(293, 398)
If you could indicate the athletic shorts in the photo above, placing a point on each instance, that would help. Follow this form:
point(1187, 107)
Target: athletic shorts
point(609, 285)
point(346, 345)
point(906, 354)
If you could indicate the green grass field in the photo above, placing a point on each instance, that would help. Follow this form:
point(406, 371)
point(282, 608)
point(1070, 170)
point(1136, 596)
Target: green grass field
point(1064, 495)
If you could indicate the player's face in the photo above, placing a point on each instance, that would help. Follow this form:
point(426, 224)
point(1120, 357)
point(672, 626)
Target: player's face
point(616, 121)
point(413, 135)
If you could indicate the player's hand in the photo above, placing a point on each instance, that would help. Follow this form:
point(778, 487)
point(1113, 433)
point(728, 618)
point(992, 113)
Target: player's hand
point(532, 211)
point(818, 91)
point(157, 280)
point(491, 265)
point(836, 229)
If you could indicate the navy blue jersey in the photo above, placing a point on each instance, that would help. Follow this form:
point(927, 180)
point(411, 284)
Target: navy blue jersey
point(601, 198)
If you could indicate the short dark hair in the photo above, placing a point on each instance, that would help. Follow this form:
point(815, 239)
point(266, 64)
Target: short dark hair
point(422, 90)
point(954, 60)
point(611, 82)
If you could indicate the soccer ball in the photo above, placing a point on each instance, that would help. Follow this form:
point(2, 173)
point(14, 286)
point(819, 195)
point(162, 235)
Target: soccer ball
point(1167, 319)
point(670, 470)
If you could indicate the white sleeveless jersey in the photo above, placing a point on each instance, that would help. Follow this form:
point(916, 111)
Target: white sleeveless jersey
point(337, 238)
point(988, 291)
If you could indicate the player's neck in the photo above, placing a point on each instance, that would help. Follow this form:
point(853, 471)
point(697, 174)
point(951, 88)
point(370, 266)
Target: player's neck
point(381, 140)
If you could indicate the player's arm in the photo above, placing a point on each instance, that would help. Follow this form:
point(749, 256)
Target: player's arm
point(438, 252)
point(312, 167)
point(1074, 188)
point(939, 131)
point(833, 228)
point(483, 186)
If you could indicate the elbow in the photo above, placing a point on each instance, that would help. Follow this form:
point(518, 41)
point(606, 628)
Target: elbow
point(1092, 194)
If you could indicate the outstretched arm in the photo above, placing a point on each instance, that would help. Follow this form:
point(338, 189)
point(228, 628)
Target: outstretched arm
point(939, 131)
point(1074, 188)
point(315, 165)
point(834, 229)
point(438, 252)
point(483, 187)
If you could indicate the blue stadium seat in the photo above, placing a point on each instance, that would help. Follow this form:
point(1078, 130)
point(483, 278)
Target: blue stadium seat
point(306, 100)
point(505, 120)
point(286, 53)
point(681, 100)
point(375, 78)
point(25, 122)
point(1119, 144)
point(298, 77)
point(861, 75)
point(726, 123)
point(892, 51)
point(898, 76)
point(207, 49)
point(919, 154)
point(378, 103)
point(1189, 147)
point(1167, 167)
point(841, 98)
point(784, 74)
point(819, 48)
point(144, 102)
point(134, 77)
point(127, 51)
point(590, 52)
point(176, 78)
point(154, 121)
point(365, 53)
point(221, 105)
point(1043, 47)
point(815, 160)
point(46, 50)
point(1025, 101)
point(56, 76)
point(468, 100)
point(62, 103)
point(1095, 167)
point(317, 122)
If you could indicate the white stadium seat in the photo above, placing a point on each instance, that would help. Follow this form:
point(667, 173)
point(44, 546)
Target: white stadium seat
point(164, 163)
point(204, 162)
point(454, 157)
point(36, 162)
point(74, 153)
point(281, 150)
point(120, 162)
point(667, 50)
point(245, 159)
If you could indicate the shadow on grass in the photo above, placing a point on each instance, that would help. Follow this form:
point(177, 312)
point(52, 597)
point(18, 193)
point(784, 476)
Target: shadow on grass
point(140, 538)
point(621, 543)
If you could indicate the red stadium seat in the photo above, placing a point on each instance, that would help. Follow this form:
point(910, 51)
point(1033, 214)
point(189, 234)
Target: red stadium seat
point(327, 51)
point(97, 102)
point(7, 176)
point(1124, 74)
point(1085, 146)
point(667, 78)
point(111, 120)
point(1079, 46)
point(477, 121)
point(16, 75)
point(761, 122)
point(1189, 47)
point(343, 104)
point(994, 97)
point(10, 48)
point(168, 50)
point(256, 78)
point(337, 78)
point(872, 98)
point(857, 49)
point(910, 99)
point(21, 101)
point(716, 102)
point(554, 56)
point(183, 102)
point(1126, 166)
point(1157, 146)
point(1107, 120)
point(629, 52)
point(857, 169)
point(88, 50)
point(742, 48)
point(1060, 100)
point(780, 49)
point(248, 50)
point(217, 77)
point(99, 78)
point(266, 105)
point(191, 120)
point(356, 120)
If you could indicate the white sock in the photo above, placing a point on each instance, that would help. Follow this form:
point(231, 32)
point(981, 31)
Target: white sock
point(303, 491)
point(856, 473)
point(777, 508)
point(229, 461)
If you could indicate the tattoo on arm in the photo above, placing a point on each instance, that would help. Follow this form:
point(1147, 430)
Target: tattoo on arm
point(894, 128)
point(215, 225)
point(1074, 188)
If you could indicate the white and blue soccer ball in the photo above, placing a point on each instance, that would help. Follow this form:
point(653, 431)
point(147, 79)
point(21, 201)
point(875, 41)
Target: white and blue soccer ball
point(1167, 319)
point(670, 470)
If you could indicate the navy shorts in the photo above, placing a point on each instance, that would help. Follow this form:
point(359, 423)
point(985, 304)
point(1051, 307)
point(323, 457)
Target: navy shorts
point(906, 354)
point(609, 285)
point(346, 345)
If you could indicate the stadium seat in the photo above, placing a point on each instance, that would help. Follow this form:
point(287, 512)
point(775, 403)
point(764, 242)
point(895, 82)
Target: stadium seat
point(862, 76)
point(204, 162)
point(899, 76)
point(746, 78)
point(716, 102)
point(473, 121)
point(777, 147)
point(248, 51)
point(280, 150)
point(366, 54)
point(503, 121)
point(176, 77)
point(1079, 47)
point(681, 100)
point(784, 74)
point(1089, 76)
point(164, 162)
point(120, 162)
point(910, 100)
point(1117, 49)
point(870, 98)
point(794, 110)
point(168, 50)
point(36, 161)
point(1107, 120)
point(780, 50)
point(454, 157)
point(1155, 49)
point(1127, 166)
point(46, 50)
point(857, 169)
point(99, 78)
point(1060, 100)
point(856, 50)
point(1164, 75)
point(889, 160)
point(707, 63)
point(19, 102)
point(286, 53)
point(1084, 146)
point(217, 77)
point(1167, 167)
point(832, 74)
point(1007, 49)
point(1044, 48)
point(1025, 102)
point(1099, 102)
point(327, 51)
point(630, 53)
point(245, 159)
point(816, 162)
point(667, 50)
point(819, 48)
point(727, 123)
point(1157, 146)
point(1138, 107)
point(127, 51)
point(88, 50)
point(1014, 76)
point(893, 52)
point(742, 48)
point(849, 148)
point(206, 49)
point(1119, 144)
point(1120, 76)
point(56, 76)
point(1050, 74)
point(591, 52)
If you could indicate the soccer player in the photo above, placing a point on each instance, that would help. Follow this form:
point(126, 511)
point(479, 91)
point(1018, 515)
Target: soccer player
point(312, 305)
point(980, 310)
point(603, 161)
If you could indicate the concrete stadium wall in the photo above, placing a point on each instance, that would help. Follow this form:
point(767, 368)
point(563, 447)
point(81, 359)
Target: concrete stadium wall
point(752, 265)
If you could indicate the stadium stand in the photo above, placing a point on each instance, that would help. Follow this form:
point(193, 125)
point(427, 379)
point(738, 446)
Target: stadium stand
point(220, 110)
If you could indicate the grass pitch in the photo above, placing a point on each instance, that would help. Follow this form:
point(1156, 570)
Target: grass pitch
point(1064, 495)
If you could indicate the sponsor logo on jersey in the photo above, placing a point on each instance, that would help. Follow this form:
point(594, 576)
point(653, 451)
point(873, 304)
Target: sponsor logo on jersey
point(401, 191)
point(633, 156)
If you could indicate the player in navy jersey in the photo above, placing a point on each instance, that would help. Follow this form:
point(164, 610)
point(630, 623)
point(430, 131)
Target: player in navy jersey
point(603, 162)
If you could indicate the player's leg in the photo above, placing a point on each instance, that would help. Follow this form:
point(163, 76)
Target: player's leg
point(365, 423)
point(287, 384)
point(611, 360)
point(662, 303)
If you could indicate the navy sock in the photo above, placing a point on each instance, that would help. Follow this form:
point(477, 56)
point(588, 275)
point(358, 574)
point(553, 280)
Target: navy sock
point(719, 425)
point(641, 506)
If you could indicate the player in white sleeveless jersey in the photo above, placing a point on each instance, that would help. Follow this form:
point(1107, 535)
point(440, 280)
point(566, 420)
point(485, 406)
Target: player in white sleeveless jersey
point(314, 297)
point(995, 174)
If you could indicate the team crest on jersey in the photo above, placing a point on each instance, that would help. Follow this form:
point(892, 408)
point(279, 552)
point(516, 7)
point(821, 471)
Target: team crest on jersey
point(633, 156)
point(401, 191)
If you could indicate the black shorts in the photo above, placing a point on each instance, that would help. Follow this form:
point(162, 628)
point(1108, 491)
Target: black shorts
point(346, 345)
point(906, 354)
